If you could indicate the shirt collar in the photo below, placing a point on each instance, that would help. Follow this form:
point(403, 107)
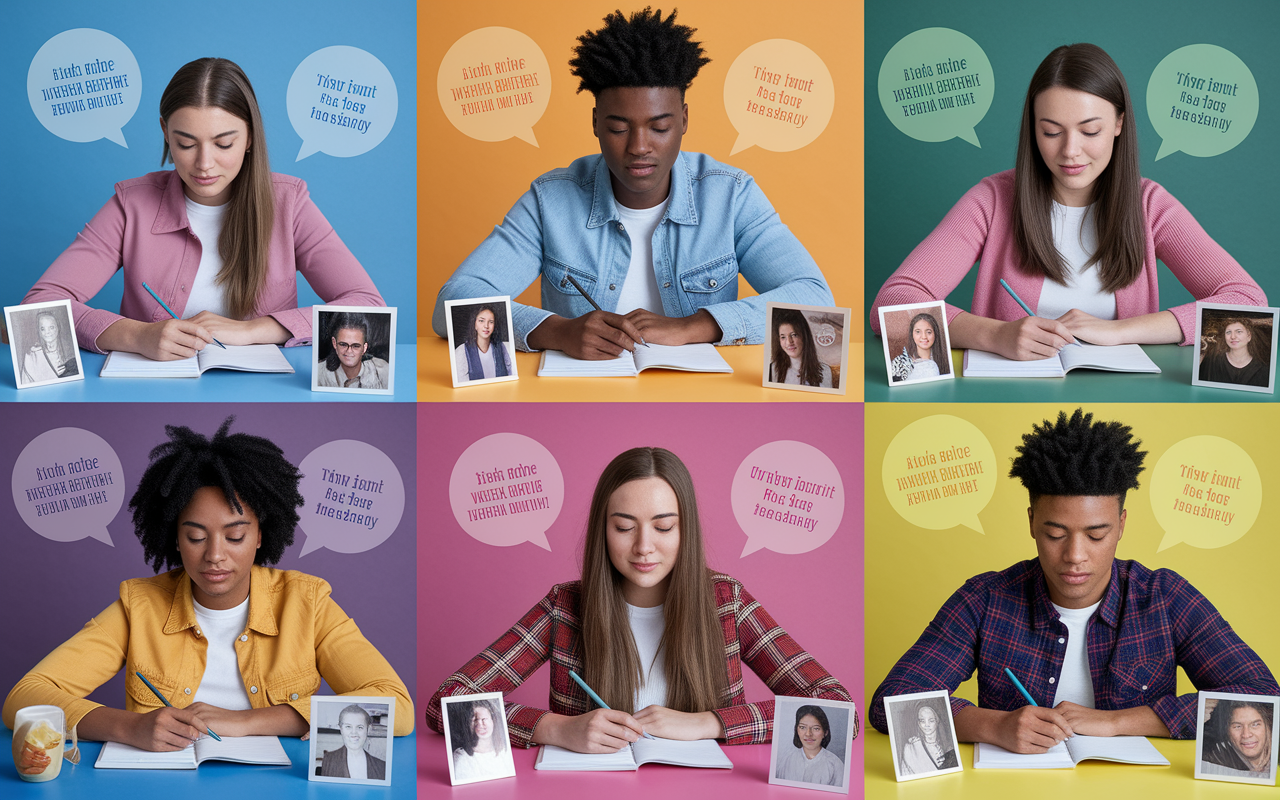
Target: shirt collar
point(1043, 612)
point(680, 205)
point(262, 618)
point(172, 214)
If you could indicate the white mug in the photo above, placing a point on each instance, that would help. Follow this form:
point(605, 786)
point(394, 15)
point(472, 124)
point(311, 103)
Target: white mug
point(39, 736)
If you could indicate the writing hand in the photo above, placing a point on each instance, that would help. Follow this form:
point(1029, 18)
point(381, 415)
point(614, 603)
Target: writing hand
point(595, 336)
point(261, 330)
point(166, 729)
point(1032, 729)
point(1032, 338)
point(671, 724)
point(172, 339)
point(657, 329)
point(598, 731)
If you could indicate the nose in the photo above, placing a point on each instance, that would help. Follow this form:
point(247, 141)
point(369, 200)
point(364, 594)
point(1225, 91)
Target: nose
point(215, 551)
point(1071, 147)
point(204, 157)
point(638, 141)
point(1075, 551)
point(643, 544)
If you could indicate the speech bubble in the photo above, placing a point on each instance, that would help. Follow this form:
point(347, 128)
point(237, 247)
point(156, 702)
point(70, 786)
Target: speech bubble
point(493, 84)
point(936, 84)
point(68, 484)
point(1202, 100)
point(779, 95)
point(507, 489)
point(342, 101)
point(354, 497)
point(84, 85)
point(1205, 492)
point(788, 497)
point(939, 472)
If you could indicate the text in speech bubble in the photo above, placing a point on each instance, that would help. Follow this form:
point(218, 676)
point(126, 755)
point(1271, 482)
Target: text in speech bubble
point(341, 101)
point(779, 95)
point(787, 497)
point(506, 489)
point(1202, 100)
point(353, 497)
point(68, 484)
point(493, 84)
point(1205, 492)
point(936, 84)
point(84, 85)
point(939, 472)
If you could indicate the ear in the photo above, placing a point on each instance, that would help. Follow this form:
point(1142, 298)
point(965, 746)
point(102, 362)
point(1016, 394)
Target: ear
point(594, 123)
point(1031, 519)
point(164, 130)
point(684, 119)
point(1119, 124)
point(1123, 515)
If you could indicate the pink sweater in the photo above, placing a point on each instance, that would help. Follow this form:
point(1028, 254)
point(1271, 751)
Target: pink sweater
point(143, 229)
point(980, 227)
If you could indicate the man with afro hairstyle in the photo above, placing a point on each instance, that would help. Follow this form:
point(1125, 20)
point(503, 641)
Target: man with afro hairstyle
point(655, 236)
point(1097, 641)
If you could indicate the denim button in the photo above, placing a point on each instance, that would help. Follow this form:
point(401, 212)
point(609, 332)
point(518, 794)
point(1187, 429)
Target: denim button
point(666, 285)
point(712, 283)
point(621, 227)
point(612, 287)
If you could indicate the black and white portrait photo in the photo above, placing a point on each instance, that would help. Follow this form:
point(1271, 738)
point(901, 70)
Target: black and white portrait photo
point(922, 735)
point(476, 738)
point(812, 740)
point(43, 344)
point(353, 349)
point(351, 739)
point(1235, 738)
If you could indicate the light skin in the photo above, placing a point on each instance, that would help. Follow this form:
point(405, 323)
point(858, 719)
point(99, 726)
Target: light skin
point(643, 540)
point(1238, 338)
point(810, 731)
point(354, 730)
point(922, 334)
point(1250, 737)
point(350, 346)
point(790, 340)
point(484, 330)
point(639, 130)
point(482, 727)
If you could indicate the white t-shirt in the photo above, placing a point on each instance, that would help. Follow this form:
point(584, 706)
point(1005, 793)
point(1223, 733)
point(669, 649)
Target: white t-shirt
point(357, 764)
point(640, 289)
point(222, 684)
point(487, 364)
point(1075, 235)
point(1075, 684)
point(206, 294)
point(793, 374)
point(647, 625)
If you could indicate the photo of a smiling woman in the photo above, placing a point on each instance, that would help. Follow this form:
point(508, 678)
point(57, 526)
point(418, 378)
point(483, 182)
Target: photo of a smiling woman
point(220, 238)
point(1236, 348)
point(795, 353)
point(1074, 229)
point(44, 342)
point(926, 736)
point(657, 634)
point(808, 760)
point(234, 645)
point(1238, 739)
point(485, 350)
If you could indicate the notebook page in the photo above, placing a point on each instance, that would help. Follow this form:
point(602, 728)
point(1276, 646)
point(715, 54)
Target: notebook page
point(700, 357)
point(981, 364)
point(248, 358)
point(990, 756)
point(120, 364)
point(1117, 358)
point(698, 753)
point(115, 755)
point(1126, 749)
point(557, 364)
point(557, 758)
point(242, 749)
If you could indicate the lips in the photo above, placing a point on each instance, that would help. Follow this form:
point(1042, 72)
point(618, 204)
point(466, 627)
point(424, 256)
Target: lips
point(216, 577)
point(1074, 578)
point(211, 180)
point(1073, 169)
point(641, 169)
point(640, 566)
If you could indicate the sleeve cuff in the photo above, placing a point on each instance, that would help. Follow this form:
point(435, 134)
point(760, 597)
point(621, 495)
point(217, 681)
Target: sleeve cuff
point(525, 319)
point(521, 721)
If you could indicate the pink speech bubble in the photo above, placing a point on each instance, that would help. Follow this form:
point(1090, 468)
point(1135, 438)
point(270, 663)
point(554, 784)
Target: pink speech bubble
point(506, 489)
point(68, 484)
point(354, 497)
point(787, 497)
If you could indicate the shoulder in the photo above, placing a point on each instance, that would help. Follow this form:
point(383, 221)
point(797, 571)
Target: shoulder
point(290, 582)
point(727, 587)
point(580, 174)
point(159, 588)
point(1011, 582)
point(287, 190)
point(565, 600)
point(702, 167)
point(996, 188)
point(1141, 581)
point(149, 188)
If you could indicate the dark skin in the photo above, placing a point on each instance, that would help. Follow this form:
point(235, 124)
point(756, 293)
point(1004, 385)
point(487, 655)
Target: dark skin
point(640, 130)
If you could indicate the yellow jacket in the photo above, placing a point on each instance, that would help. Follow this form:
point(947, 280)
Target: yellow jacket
point(296, 635)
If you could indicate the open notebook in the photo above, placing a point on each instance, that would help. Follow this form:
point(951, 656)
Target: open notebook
point(701, 753)
point(701, 357)
point(1118, 358)
point(240, 749)
point(1125, 749)
point(246, 358)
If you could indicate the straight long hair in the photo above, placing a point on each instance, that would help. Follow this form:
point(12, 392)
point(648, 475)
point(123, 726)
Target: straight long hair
point(246, 226)
point(810, 367)
point(938, 352)
point(1117, 193)
point(692, 643)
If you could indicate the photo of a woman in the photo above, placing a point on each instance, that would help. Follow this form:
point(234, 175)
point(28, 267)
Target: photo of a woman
point(485, 352)
point(795, 354)
point(1236, 350)
point(928, 747)
point(1237, 738)
point(220, 237)
point(44, 350)
point(479, 735)
point(808, 760)
point(1074, 229)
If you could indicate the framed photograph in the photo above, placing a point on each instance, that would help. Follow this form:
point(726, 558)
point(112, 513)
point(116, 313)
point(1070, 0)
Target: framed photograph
point(1236, 347)
point(922, 735)
point(353, 349)
point(481, 349)
point(917, 345)
point(42, 342)
point(812, 740)
point(475, 736)
point(1235, 738)
point(351, 739)
point(807, 349)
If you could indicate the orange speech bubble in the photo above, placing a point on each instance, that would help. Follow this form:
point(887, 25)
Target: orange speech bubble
point(494, 83)
point(779, 96)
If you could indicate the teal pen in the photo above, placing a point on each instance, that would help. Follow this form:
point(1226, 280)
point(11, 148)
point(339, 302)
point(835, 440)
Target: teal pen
point(583, 292)
point(590, 692)
point(1030, 313)
point(165, 306)
point(153, 689)
point(1017, 683)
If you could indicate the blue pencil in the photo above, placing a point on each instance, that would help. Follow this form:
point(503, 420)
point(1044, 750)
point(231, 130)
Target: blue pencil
point(165, 306)
point(1017, 683)
point(153, 689)
point(590, 693)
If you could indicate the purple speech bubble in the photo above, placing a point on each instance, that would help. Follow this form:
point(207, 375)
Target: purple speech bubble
point(354, 497)
point(68, 484)
point(788, 497)
point(506, 489)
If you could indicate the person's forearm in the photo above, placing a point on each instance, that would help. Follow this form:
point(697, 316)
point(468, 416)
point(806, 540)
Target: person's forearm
point(547, 336)
point(972, 332)
point(1138, 721)
point(1159, 328)
point(280, 720)
point(105, 724)
point(267, 330)
point(975, 724)
point(121, 335)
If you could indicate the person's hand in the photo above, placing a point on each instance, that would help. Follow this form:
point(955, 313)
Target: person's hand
point(600, 730)
point(596, 336)
point(1088, 721)
point(262, 330)
point(1093, 329)
point(657, 329)
point(1031, 338)
point(166, 729)
point(32, 760)
point(1032, 729)
point(222, 721)
point(671, 724)
point(172, 339)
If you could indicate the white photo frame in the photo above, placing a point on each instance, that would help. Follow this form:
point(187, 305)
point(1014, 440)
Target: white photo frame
point(1223, 743)
point(825, 329)
point(462, 715)
point(34, 364)
point(1209, 365)
point(328, 754)
point(908, 716)
point(458, 315)
point(327, 366)
point(901, 362)
point(828, 771)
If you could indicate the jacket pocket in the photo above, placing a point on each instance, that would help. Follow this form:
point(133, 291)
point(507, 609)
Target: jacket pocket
point(1140, 683)
point(715, 281)
point(294, 687)
point(143, 698)
point(556, 270)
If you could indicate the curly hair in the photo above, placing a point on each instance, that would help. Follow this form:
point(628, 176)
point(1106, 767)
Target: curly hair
point(1078, 456)
point(645, 50)
point(250, 470)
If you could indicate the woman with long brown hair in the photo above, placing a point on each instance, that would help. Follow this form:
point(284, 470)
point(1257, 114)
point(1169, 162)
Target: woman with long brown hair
point(1074, 229)
point(1240, 354)
point(220, 238)
point(656, 633)
point(795, 354)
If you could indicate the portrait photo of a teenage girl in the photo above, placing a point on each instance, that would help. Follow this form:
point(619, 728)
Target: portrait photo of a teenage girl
point(917, 347)
point(480, 346)
point(808, 348)
point(811, 744)
point(43, 343)
point(922, 735)
point(1237, 347)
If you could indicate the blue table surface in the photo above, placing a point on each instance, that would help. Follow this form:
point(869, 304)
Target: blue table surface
point(218, 779)
point(216, 385)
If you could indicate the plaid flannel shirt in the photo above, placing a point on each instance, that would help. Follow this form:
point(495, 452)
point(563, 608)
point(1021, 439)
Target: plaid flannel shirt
point(1150, 622)
point(552, 631)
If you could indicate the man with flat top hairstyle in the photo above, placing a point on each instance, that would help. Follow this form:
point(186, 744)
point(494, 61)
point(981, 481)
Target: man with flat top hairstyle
point(1095, 640)
point(655, 236)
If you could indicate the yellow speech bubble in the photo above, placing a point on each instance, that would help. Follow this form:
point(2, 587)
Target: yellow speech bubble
point(779, 96)
point(1205, 492)
point(939, 472)
point(494, 83)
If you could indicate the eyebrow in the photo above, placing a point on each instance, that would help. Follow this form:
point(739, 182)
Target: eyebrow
point(1060, 526)
point(193, 524)
point(1081, 122)
point(219, 136)
point(634, 518)
point(620, 118)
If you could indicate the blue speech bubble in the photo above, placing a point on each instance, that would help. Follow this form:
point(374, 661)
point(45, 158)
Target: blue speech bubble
point(342, 101)
point(84, 85)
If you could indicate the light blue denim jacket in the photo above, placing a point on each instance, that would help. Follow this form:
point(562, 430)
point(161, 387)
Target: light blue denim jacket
point(717, 224)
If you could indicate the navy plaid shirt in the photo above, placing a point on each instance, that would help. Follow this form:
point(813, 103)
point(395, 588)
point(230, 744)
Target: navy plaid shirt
point(1148, 624)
